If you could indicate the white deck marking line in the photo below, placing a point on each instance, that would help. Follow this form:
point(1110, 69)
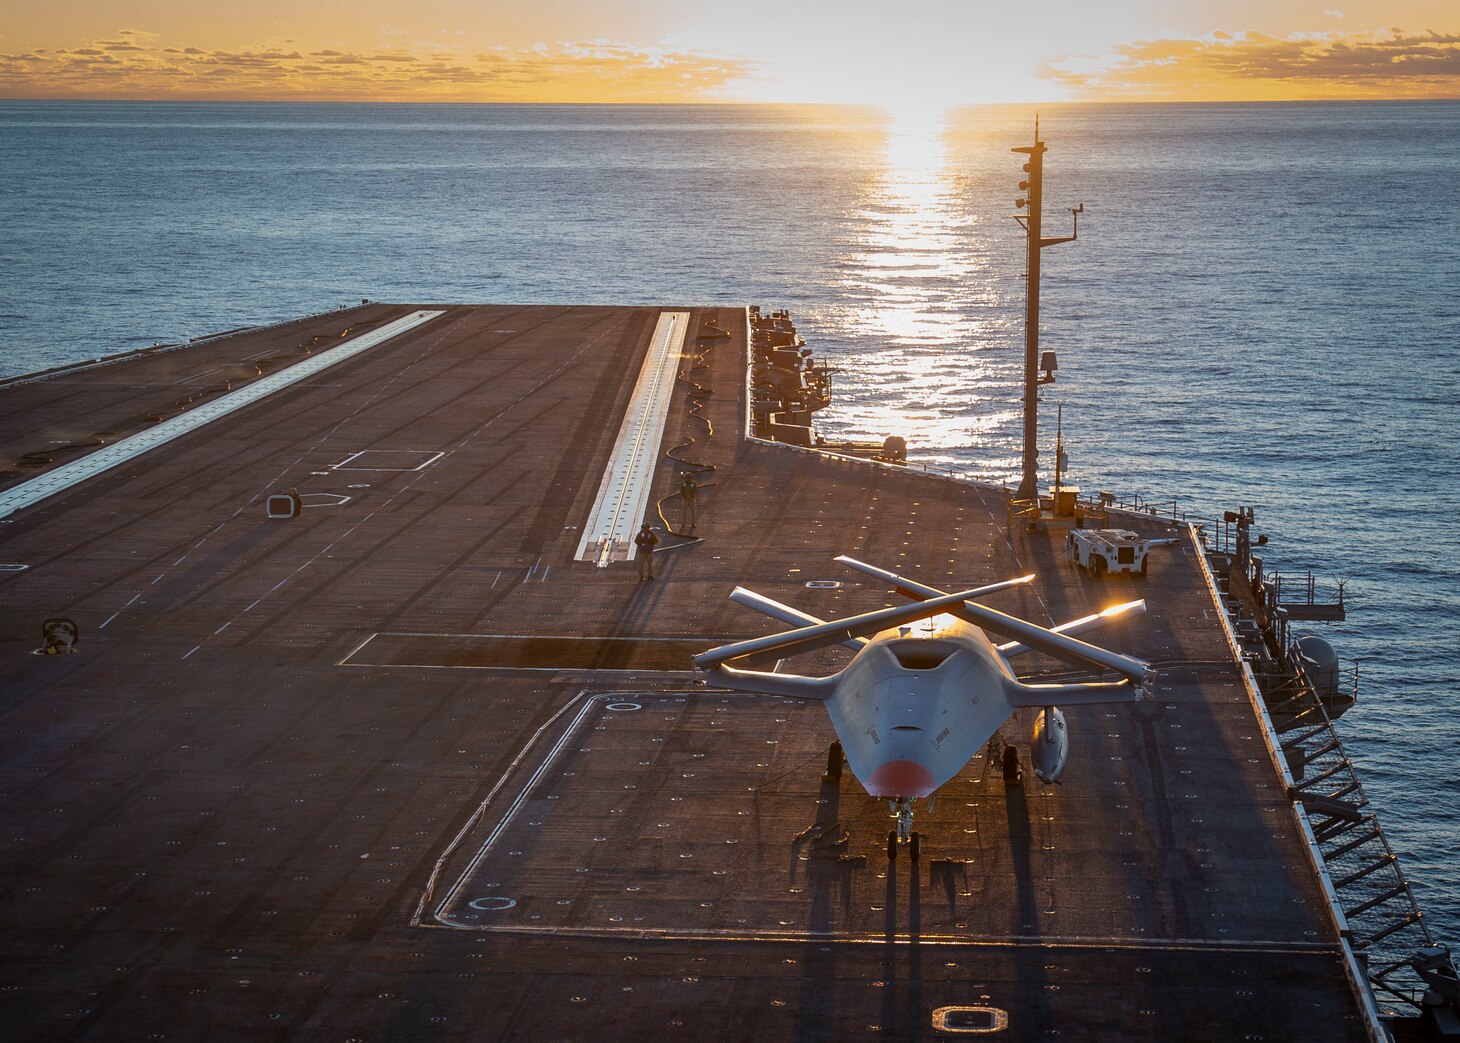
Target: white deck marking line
point(512, 808)
point(357, 648)
point(344, 465)
point(380, 392)
point(302, 566)
point(194, 376)
point(623, 495)
point(64, 477)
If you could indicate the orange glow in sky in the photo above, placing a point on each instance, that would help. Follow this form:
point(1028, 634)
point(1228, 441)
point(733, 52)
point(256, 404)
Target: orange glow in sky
point(927, 55)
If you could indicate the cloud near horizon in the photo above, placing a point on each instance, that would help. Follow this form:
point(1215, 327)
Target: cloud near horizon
point(1220, 66)
point(1255, 67)
point(132, 65)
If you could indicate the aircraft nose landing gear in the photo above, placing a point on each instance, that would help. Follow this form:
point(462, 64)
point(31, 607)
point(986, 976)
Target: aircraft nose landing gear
point(904, 834)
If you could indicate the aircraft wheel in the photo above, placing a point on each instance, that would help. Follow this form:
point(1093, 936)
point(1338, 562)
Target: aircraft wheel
point(833, 763)
point(915, 846)
point(1011, 765)
point(892, 845)
point(1097, 566)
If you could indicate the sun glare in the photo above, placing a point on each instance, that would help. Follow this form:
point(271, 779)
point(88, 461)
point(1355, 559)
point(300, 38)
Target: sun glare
point(922, 282)
point(909, 252)
point(915, 137)
point(913, 240)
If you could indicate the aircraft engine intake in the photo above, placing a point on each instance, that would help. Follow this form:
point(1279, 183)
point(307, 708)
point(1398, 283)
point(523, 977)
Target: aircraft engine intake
point(1049, 746)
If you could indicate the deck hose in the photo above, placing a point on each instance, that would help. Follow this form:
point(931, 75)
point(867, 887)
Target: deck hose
point(698, 395)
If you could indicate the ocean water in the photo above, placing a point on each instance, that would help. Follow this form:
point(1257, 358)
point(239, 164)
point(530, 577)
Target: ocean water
point(1262, 309)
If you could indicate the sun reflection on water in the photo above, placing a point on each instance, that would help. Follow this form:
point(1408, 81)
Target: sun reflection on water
point(928, 339)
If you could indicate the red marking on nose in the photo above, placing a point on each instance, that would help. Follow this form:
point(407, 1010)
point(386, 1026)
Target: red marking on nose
point(900, 779)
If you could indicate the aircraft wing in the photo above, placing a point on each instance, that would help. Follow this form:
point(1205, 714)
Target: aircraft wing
point(1056, 642)
point(785, 613)
point(1060, 646)
point(913, 589)
point(1083, 625)
point(795, 686)
point(1021, 694)
point(807, 639)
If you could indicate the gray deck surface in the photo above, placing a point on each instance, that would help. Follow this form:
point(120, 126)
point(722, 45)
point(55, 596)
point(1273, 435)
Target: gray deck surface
point(224, 812)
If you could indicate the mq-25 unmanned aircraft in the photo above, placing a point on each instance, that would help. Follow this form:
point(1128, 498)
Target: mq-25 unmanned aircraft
point(927, 688)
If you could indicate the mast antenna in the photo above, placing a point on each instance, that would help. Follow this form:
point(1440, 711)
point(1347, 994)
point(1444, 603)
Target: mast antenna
point(1030, 214)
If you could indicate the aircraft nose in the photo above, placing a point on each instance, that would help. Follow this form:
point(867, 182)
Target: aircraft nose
point(900, 779)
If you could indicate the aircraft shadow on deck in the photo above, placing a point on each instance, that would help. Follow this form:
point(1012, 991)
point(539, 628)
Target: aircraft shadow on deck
point(707, 814)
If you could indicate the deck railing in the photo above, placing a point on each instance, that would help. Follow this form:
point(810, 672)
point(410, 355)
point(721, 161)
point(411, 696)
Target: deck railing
point(1376, 910)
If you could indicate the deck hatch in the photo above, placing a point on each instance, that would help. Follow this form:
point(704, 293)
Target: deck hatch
point(971, 1021)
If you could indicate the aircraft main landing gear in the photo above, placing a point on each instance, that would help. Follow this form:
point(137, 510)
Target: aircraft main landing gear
point(833, 771)
point(1013, 774)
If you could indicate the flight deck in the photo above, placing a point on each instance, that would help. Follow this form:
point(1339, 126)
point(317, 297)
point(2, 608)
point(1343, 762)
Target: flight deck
point(425, 759)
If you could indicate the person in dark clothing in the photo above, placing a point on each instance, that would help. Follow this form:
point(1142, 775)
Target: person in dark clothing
point(687, 491)
point(645, 542)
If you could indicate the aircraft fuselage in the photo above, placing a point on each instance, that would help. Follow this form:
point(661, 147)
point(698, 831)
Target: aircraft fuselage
point(926, 688)
point(916, 703)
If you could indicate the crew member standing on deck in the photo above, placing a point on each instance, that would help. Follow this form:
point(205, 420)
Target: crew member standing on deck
point(689, 515)
point(645, 541)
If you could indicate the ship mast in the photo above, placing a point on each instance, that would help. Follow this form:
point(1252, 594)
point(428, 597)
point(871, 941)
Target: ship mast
point(1032, 203)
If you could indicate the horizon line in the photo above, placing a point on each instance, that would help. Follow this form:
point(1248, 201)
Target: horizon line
point(720, 103)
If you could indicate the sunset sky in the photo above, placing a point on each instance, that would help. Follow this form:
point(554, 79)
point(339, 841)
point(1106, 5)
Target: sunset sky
point(923, 53)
